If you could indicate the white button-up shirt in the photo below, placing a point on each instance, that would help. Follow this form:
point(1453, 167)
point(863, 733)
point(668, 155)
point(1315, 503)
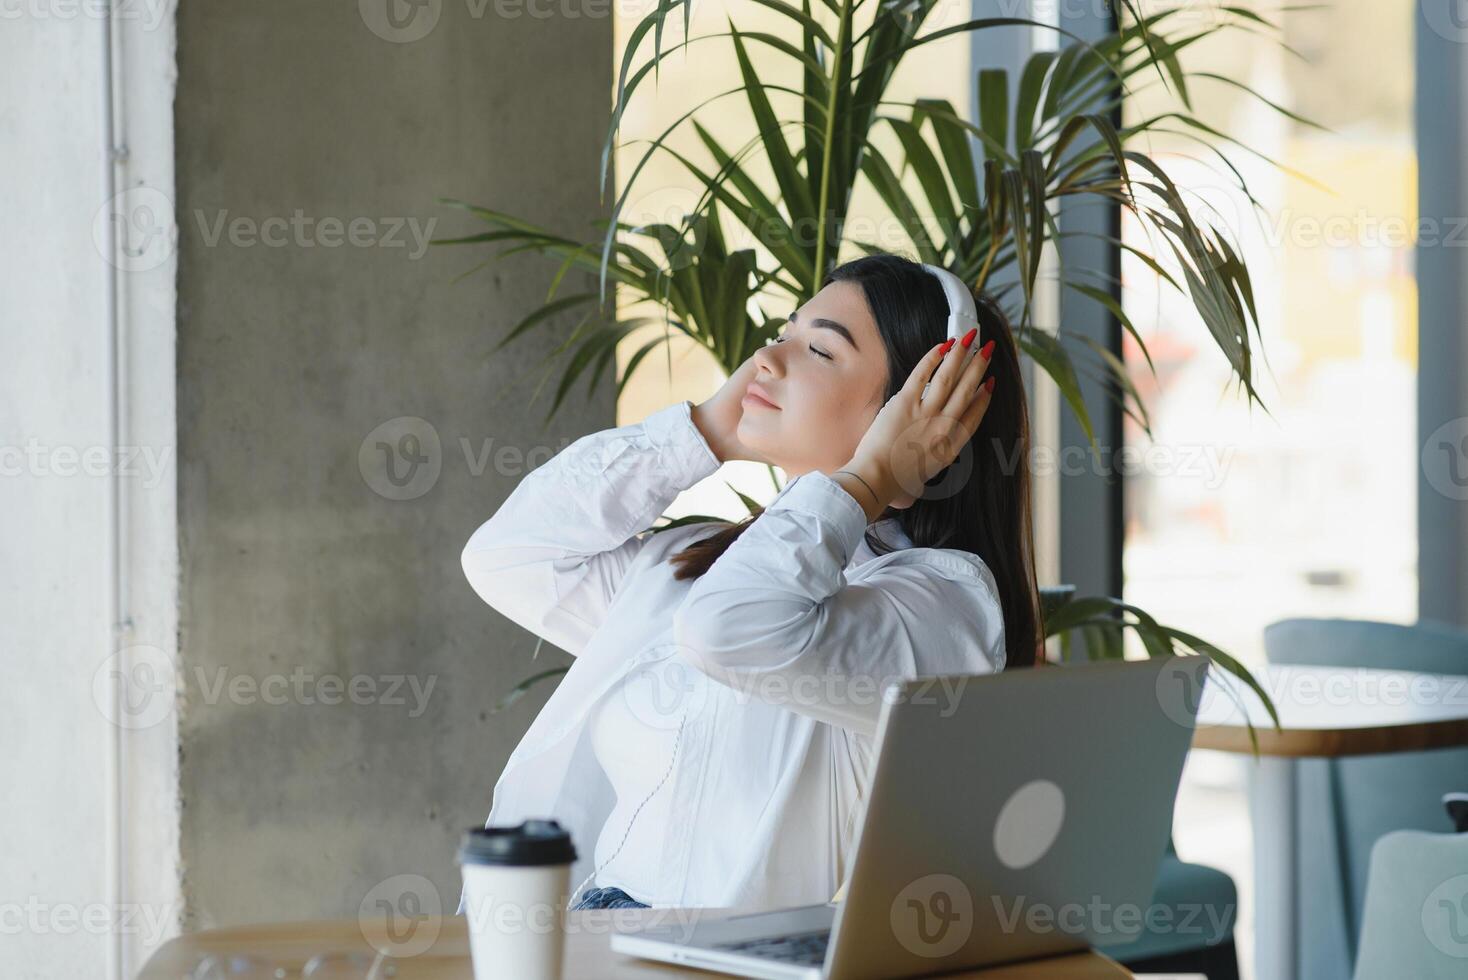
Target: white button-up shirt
point(798, 625)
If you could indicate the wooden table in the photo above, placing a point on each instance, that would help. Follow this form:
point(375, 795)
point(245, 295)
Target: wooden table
point(1324, 712)
point(440, 948)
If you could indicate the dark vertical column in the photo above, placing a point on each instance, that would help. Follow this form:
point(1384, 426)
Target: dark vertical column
point(1442, 340)
point(1091, 501)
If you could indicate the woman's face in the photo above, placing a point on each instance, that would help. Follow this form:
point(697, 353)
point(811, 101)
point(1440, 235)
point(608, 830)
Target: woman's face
point(827, 376)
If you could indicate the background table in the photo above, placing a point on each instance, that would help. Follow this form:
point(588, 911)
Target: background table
point(1323, 712)
point(445, 950)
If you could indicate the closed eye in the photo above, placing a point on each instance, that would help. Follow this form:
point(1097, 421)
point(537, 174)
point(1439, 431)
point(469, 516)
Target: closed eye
point(814, 350)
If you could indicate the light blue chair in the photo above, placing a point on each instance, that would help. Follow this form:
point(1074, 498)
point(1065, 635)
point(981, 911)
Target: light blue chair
point(1344, 806)
point(1416, 914)
point(1197, 936)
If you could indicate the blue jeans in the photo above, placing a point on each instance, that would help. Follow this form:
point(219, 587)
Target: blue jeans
point(607, 898)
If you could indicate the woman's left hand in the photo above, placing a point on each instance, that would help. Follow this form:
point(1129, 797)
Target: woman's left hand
point(913, 438)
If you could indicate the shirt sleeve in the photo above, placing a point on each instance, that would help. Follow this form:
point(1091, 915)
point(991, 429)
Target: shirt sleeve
point(553, 555)
point(775, 618)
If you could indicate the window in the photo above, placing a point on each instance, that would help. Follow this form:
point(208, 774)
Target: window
point(1237, 519)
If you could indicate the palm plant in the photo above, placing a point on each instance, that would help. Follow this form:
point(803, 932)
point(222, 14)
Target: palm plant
point(988, 217)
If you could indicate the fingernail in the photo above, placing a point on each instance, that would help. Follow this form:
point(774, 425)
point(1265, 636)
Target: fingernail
point(968, 338)
point(986, 350)
point(988, 385)
point(947, 344)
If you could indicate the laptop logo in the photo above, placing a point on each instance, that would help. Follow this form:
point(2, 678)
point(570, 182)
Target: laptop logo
point(933, 916)
point(1028, 824)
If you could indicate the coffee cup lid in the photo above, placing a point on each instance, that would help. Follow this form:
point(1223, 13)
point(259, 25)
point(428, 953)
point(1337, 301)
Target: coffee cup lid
point(532, 842)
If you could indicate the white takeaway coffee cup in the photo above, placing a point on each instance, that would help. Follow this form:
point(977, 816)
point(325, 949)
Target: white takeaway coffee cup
point(515, 884)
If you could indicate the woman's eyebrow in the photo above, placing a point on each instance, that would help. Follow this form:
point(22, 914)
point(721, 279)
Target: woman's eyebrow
point(825, 324)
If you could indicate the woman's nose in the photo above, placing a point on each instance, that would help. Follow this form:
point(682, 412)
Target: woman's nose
point(768, 358)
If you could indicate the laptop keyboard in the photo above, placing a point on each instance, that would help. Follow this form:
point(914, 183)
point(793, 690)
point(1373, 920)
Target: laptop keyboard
point(808, 948)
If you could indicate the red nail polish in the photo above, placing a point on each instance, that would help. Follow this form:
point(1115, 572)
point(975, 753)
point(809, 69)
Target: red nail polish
point(987, 350)
point(947, 344)
point(989, 385)
point(968, 338)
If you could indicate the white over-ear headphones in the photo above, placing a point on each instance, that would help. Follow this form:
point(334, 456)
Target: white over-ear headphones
point(962, 316)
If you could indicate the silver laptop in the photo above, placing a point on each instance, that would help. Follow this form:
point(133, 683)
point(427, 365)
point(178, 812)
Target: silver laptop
point(1011, 816)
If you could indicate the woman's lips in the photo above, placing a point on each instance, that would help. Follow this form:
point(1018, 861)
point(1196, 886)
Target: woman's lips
point(752, 396)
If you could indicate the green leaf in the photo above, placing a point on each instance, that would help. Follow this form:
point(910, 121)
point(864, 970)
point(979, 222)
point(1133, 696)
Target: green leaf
point(930, 178)
point(518, 691)
point(1031, 84)
point(958, 159)
point(1118, 385)
point(688, 519)
point(1107, 300)
point(994, 104)
point(549, 310)
point(792, 188)
point(750, 504)
point(892, 193)
point(1046, 350)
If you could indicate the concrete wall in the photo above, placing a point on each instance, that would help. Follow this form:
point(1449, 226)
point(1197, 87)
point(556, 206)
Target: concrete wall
point(301, 574)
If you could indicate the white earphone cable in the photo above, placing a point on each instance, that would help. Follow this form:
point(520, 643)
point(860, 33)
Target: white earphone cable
point(682, 717)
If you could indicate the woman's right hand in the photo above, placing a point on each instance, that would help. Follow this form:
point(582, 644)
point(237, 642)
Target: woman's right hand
point(718, 417)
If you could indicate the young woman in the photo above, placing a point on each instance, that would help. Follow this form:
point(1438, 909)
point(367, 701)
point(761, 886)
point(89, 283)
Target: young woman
point(710, 744)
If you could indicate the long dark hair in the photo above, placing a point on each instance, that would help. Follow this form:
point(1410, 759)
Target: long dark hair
point(988, 513)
